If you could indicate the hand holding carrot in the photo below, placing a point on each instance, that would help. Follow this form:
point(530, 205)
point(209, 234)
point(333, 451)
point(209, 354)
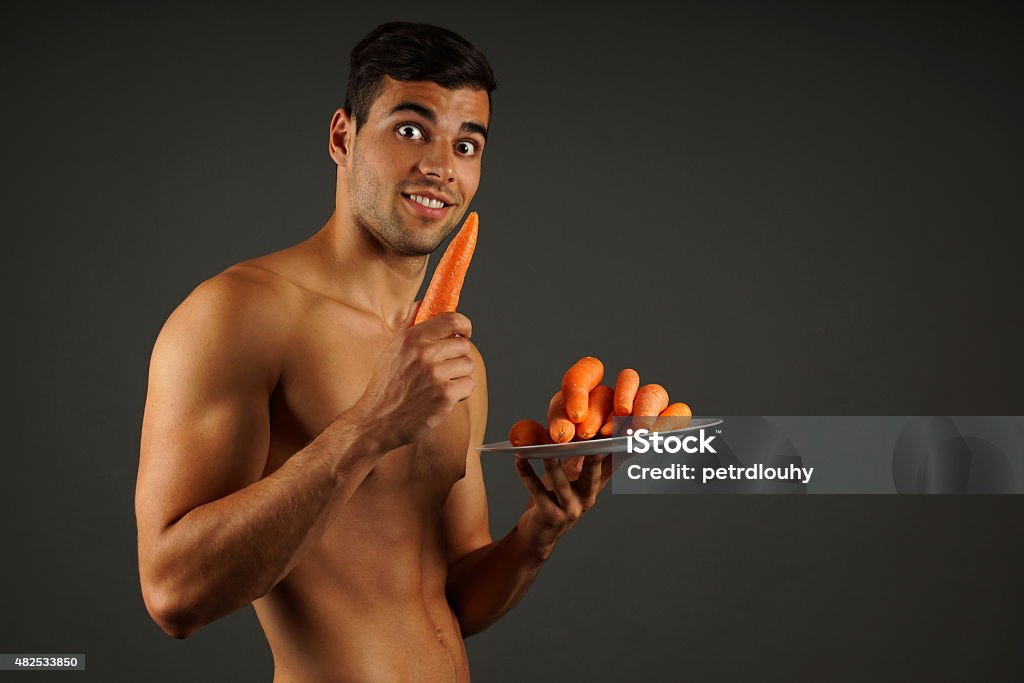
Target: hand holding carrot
point(418, 378)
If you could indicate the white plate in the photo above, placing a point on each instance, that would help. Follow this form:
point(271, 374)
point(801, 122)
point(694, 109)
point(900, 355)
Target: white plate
point(613, 444)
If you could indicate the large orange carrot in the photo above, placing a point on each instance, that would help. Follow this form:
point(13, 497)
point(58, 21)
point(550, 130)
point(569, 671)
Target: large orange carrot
point(676, 416)
point(650, 400)
point(578, 382)
point(527, 433)
point(446, 284)
point(598, 409)
point(625, 391)
point(560, 427)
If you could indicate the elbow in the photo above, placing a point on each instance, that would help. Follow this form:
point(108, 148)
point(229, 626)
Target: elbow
point(169, 612)
point(164, 596)
point(178, 632)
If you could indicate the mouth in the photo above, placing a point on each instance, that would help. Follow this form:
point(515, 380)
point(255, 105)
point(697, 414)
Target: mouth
point(426, 204)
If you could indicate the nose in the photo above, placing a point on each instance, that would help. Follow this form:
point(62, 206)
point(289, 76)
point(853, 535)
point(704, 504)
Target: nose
point(437, 164)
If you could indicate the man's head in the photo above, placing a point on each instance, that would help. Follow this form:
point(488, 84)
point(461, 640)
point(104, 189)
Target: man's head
point(411, 133)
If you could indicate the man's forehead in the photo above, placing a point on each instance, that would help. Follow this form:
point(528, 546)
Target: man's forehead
point(457, 104)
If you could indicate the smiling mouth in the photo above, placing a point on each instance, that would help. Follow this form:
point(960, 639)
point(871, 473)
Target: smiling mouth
point(428, 202)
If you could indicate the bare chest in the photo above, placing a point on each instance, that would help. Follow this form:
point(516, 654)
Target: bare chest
point(325, 370)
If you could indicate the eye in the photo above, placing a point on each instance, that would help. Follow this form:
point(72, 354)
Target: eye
point(465, 147)
point(410, 131)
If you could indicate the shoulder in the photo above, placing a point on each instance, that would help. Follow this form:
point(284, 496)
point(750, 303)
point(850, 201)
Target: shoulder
point(239, 318)
point(240, 296)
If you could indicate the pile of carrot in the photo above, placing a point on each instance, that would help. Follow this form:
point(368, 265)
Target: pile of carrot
point(583, 407)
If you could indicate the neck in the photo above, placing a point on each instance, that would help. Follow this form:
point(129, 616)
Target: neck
point(366, 273)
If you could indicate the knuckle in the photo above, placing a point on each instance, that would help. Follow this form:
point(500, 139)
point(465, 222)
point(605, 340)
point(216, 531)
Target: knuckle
point(450, 393)
point(421, 354)
point(460, 320)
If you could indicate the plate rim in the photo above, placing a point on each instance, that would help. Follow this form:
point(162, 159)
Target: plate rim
point(554, 449)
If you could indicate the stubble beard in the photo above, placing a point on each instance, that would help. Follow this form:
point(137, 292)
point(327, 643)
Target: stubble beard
point(368, 202)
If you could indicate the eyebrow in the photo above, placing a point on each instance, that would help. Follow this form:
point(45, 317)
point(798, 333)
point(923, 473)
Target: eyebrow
point(474, 127)
point(428, 114)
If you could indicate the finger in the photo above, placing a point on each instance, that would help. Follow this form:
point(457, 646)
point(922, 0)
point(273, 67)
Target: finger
point(453, 368)
point(459, 389)
point(590, 481)
point(449, 347)
point(538, 493)
point(573, 466)
point(607, 470)
point(447, 324)
point(567, 499)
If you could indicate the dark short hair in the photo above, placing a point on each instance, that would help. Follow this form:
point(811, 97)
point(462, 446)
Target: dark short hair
point(412, 52)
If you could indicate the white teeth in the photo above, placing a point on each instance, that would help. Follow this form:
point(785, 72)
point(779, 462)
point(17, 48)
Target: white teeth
point(426, 201)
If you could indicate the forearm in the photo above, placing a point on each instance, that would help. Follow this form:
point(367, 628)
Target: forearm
point(223, 555)
point(488, 582)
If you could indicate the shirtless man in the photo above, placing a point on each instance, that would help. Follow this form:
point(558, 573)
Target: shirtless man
point(306, 449)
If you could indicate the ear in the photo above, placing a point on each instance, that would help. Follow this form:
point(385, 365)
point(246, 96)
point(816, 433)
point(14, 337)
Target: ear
point(343, 131)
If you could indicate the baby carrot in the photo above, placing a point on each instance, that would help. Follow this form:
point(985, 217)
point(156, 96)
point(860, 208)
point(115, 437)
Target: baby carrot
point(607, 429)
point(578, 382)
point(676, 416)
point(527, 433)
point(650, 400)
point(676, 409)
point(560, 427)
point(625, 391)
point(446, 284)
point(598, 409)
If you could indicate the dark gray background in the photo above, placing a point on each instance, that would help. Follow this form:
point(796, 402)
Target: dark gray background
point(769, 208)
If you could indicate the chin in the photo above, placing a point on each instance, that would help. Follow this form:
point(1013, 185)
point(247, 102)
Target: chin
point(420, 242)
point(411, 247)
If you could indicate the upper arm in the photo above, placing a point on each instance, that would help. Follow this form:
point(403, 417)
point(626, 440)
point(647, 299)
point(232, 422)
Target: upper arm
point(206, 431)
point(465, 511)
